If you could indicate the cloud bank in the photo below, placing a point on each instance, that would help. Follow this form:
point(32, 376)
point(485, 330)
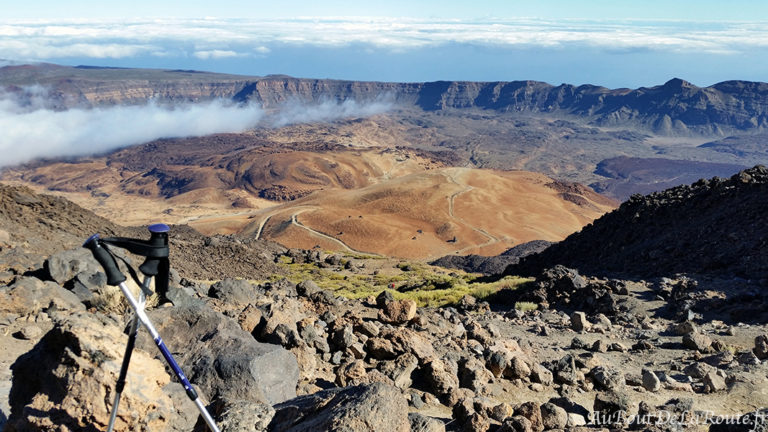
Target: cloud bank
point(327, 111)
point(31, 127)
point(214, 38)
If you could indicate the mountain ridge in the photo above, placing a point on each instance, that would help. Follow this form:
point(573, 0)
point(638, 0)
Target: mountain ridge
point(675, 108)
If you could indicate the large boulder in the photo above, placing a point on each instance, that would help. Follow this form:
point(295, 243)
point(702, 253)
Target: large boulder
point(235, 292)
point(30, 295)
point(63, 266)
point(223, 359)
point(67, 383)
point(372, 407)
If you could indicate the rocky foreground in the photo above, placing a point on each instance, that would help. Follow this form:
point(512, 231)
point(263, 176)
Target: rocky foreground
point(566, 352)
point(286, 356)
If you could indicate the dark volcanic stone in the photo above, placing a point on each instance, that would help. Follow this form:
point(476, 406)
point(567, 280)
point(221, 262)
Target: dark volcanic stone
point(665, 235)
point(494, 264)
point(216, 352)
point(374, 407)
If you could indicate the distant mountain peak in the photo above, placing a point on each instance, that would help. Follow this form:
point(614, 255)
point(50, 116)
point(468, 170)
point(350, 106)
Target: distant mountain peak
point(678, 84)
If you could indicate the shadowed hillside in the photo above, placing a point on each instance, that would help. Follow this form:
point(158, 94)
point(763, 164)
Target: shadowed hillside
point(714, 226)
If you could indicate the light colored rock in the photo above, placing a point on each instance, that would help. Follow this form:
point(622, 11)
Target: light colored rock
point(579, 322)
point(553, 417)
point(30, 332)
point(650, 381)
point(713, 382)
point(761, 347)
point(575, 420)
point(697, 341)
point(29, 295)
point(398, 311)
point(64, 382)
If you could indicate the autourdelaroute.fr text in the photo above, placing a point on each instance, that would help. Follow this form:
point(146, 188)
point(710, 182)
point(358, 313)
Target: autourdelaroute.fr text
point(757, 420)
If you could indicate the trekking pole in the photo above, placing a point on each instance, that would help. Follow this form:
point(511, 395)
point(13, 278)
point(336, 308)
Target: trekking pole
point(157, 256)
point(134, 331)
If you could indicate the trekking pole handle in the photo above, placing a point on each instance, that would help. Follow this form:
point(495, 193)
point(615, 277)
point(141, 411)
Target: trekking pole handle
point(107, 261)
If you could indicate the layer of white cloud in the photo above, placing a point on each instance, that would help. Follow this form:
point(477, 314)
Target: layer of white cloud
point(220, 38)
point(33, 128)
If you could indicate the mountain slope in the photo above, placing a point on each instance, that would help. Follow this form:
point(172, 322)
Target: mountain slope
point(715, 226)
point(433, 213)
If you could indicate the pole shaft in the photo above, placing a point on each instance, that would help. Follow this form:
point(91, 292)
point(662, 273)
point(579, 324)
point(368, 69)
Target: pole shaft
point(144, 319)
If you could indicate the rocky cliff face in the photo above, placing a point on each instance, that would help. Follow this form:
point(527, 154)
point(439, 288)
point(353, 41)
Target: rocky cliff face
point(674, 108)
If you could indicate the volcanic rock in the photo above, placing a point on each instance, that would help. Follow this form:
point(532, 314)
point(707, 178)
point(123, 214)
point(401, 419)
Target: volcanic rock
point(373, 407)
point(217, 352)
point(63, 383)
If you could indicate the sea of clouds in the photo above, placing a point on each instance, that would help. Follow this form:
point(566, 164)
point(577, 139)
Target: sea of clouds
point(31, 126)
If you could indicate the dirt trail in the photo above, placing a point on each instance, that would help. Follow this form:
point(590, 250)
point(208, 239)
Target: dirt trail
point(453, 176)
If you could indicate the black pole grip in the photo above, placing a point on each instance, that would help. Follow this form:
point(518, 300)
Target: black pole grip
point(107, 261)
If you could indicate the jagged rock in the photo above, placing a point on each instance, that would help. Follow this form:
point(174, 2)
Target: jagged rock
point(250, 318)
point(502, 411)
point(532, 412)
point(684, 328)
point(541, 375)
point(398, 311)
point(697, 341)
point(748, 358)
point(343, 338)
point(400, 370)
point(63, 266)
point(579, 322)
point(611, 408)
point(713, 382)
point(578, 343)
point(382, 349)
point(473, 374)
point(307, 288)
point(570, 406)
point(607, 378)
point(517, 368)
point(439, 378)
point(477, 423)
point(463, 410)
point(650, 381)
point(477, 332)
point(30, 332)
point(63, 383)
point(245, 416)
point(575, 420)
point(564, 370)
point(516, 424)
point(368, 328)
point(29, 295)
point(307, 360)
point(422, 423)
point(351, 373)
point(279, 324)
point(600, 346)
point(761, 347)
point(371, 407)
point(384, 298)
point(498, 362)
point(234, 292)
point(553, 417)
point(217, 352)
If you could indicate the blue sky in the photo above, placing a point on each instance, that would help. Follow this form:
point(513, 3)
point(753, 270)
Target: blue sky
point(612, 43)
